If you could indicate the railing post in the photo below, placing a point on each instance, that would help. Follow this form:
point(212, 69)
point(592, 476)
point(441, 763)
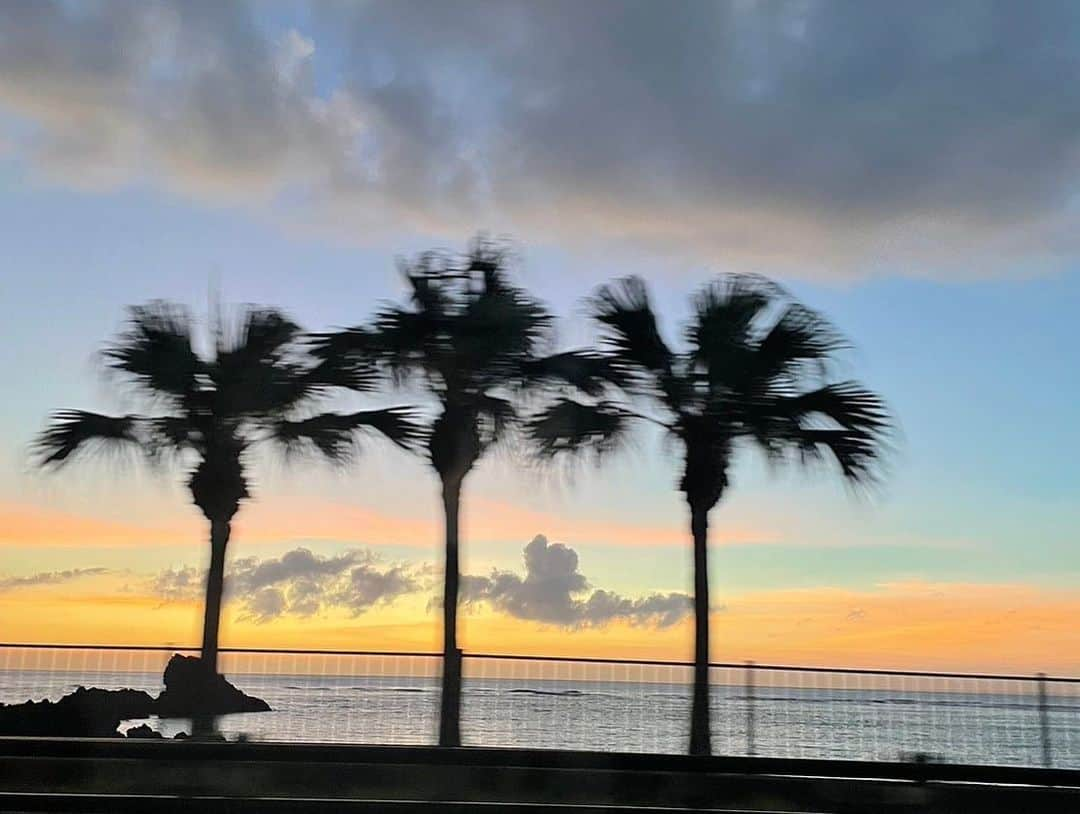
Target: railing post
point(1044, 720)
point(751, 749)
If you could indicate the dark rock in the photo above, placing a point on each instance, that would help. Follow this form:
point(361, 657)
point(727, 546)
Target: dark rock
point(142, 731)
point(191, 689)
point(214, 737)
point(87, 713)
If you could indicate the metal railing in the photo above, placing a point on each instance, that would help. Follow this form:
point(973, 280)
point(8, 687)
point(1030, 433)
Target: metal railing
point(598, 704)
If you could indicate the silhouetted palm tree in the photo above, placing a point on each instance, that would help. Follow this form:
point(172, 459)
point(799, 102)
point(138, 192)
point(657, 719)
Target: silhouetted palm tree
point(756, 368)
point(208, 411)
point(474, 341)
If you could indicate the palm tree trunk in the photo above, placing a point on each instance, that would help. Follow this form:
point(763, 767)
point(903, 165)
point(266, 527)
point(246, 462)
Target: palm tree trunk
point(203, 725)
point(700, 739)
point(450, 700)
point(215, 584)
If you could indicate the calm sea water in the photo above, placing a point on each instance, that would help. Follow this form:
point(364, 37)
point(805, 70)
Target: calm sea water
point(990, 728)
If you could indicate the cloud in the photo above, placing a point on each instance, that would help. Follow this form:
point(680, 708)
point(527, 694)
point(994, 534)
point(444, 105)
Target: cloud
point(265, 604)
point(188, 94)
point(299, 583)
point(177, 584)
point(250, 574)
point(302, 583)
point(555, 592)
point(824, 137)
point(856, 615)
point(49, 578)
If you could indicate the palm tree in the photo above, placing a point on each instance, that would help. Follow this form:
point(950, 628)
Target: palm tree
point(756, 368)
point(473, 341)
point(207, 411)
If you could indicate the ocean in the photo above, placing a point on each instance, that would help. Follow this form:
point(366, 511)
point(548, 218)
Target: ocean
point(996, 728)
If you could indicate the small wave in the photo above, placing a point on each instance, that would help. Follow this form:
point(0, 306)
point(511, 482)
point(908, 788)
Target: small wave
point(563, 693)
point(354, 689)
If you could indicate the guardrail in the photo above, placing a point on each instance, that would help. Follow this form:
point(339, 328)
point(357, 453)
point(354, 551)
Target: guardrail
point(594, 704)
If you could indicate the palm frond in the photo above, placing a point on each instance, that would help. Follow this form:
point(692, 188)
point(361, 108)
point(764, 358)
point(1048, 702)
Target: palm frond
point(360, 374)
point(172, 434)
point(856, 451)
point(570, 427)
point(346, 343)
point(848, 404)
point(156, 351)
point(262, 389)
point(489, 260)
point(259, 372)
point(328, 434)
point(429, 281)
point(631, 332)
point(355, 358)
point(721, 332)
point(495, 415)
point(843, 419)
point(264, 335)
point(497, 332)
point(406, 343)
point(72, 432)
point(333, 435)
point(591, 373)
point(398, 424)
point(800, 336)
point(466, 328)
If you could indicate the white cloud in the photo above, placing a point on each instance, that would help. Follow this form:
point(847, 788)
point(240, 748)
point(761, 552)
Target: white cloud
point(553, 591)
point(814, 136)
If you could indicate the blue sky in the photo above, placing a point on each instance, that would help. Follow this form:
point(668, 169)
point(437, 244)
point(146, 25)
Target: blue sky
point(977, 372)
point(286, 154)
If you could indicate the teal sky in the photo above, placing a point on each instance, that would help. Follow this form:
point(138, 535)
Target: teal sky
point(285, 154)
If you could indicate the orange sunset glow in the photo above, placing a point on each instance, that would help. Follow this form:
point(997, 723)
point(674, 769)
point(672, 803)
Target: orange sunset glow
point(947, 626)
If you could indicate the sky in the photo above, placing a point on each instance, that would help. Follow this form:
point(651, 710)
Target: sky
point(908, 169)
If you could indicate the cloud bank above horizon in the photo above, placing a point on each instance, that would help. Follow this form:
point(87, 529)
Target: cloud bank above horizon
point(303, 584)
point(824, 138)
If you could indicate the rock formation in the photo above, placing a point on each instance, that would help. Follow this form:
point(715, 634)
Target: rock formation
point(190, 690)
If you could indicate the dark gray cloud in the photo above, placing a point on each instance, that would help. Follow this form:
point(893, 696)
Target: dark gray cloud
point(299, 565)
point(303, 583)
point(300, 583)
point(189, 94)
point(265, 604)
point(822, 136)
point(555, 592)
point(49, 578)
